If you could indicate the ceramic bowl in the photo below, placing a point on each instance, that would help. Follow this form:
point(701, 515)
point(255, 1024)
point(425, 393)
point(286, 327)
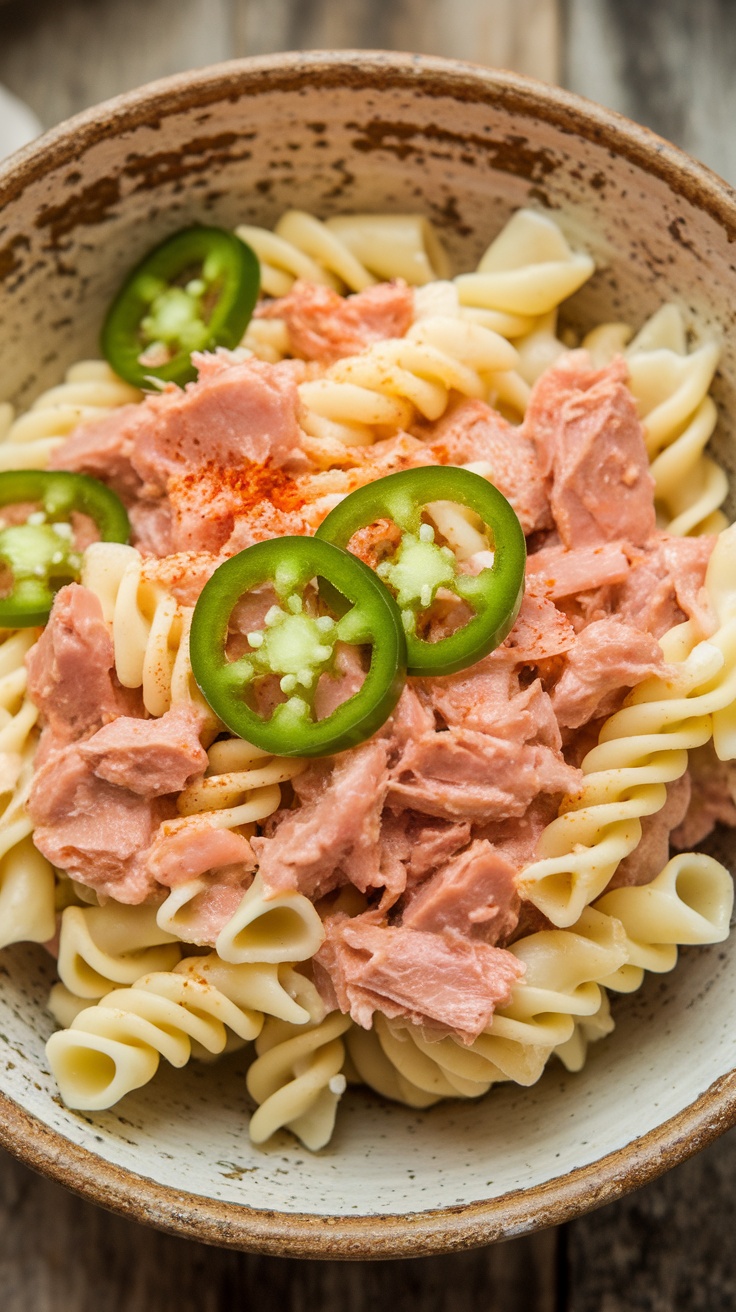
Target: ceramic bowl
point(330, 133)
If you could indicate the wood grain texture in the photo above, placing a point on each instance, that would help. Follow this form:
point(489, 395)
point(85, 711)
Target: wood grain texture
point(668, 1248)
point(58, 1254)
point(666, 63)
point(518, 34)
point(62, 55)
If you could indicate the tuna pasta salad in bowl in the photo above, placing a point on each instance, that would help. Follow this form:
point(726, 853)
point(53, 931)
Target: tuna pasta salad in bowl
point(367, 655)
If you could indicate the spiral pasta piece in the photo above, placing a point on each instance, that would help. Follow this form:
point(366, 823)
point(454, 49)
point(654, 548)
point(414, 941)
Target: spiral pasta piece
point(528, 269)
point(149, 627)
point(588, 1029)
point(115, 1047)
point(27, 908)
point(381, 390)
point(297, 1079)
point(670, 387)
point(641, 748)
point(90, 389)
point(100, 947)
point(283, 928)
point(689, 902)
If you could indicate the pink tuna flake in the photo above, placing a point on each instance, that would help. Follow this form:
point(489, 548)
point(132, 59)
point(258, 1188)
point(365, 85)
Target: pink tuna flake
point(443, 980)
point(588, 436)
point(326, 327)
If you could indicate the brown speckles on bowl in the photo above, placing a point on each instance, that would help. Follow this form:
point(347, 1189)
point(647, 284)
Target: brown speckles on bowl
point(241, 143)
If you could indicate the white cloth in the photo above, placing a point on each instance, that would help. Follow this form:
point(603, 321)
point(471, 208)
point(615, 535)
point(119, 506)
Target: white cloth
point(18, 124)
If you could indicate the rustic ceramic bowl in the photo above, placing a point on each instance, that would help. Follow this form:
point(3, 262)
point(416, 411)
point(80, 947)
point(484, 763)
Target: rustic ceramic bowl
point(330, 133)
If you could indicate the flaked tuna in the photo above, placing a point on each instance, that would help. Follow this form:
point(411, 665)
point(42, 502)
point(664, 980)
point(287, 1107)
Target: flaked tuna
point(186, 849)
point(70, 669)
point(325, 326)
point(588, 435)
point(412, 847)
point(443, 981)
point(608, 658)
point(98, 833)
point(239, 410)
point(666, 585)
point(472, 432)
point(562, 573)
point(149, 757)
point(488, 698)
point(475, 893)
point(103, 447)
point(541, 630)
point(462, 774)
point(333, 837)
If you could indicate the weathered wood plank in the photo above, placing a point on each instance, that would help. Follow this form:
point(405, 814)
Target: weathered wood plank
point(62, 57)
point(58, 1254)
point(666, 63)
point(518, 34)
point(667, 1248)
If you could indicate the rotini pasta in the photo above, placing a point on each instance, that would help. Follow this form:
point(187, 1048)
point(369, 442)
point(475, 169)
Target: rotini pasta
point(297, 1079)
point(88, 391)
point(640, 749)
point(100, 947)
point(150, 629)
point(115, 1047)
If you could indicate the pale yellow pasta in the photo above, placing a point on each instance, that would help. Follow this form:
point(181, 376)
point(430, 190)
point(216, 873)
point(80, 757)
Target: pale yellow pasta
point(671, 386)
point(690, 901)
point(387, 385)
point(282, 928)
point(115, 1047)
point(89, 391)
point(27, 910)
point(393, 246)
point(588, 1029)
point(641, 749)
point(102, 946)
point(149, 628)
point(528, 269)
point(297, 1079)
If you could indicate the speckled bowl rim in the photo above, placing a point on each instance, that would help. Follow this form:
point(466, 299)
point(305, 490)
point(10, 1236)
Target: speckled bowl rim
point(521, 1211)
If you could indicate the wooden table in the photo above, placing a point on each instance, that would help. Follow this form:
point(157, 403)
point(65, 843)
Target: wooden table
point(667, 63)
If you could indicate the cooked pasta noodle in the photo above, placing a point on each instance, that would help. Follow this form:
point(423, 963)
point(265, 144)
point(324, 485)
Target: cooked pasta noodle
point(641, 748)
point(297, 1079)
point(115, 1047)
point(528, 269)
point(588, 1029)
point(100, 947)
point(380, 390)
point(89, 390)
point(283, 928)
point(150, 629)
point(27, 910)
point(690, 901)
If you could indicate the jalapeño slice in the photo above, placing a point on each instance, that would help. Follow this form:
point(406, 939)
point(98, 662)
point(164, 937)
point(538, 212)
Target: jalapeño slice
point(297, 645)
point(39, 555)
point(195, 291)
point(419, 567)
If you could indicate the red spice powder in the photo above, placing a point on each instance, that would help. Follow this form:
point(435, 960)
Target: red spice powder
point(245, 486)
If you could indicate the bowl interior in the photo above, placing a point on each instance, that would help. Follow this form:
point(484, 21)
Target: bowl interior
point(466, 147)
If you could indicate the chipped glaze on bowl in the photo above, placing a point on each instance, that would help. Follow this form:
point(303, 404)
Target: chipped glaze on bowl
point(338, 132)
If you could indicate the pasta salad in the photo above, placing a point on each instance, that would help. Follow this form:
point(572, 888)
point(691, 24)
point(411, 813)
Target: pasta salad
point(367, 670)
